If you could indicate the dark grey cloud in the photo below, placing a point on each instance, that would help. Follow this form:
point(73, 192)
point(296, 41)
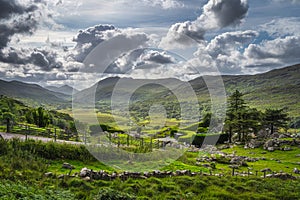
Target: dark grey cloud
point(88, 39)
point(16, 18)
point(224, 12)
point(39, 59)
point(12, 7)
point(46, 59)
point(216, 14)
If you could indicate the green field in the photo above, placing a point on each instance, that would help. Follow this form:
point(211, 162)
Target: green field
point(23, 165)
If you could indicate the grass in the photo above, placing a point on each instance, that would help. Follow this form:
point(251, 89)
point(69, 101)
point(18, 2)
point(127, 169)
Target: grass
point(288, 159)
point(21, 177)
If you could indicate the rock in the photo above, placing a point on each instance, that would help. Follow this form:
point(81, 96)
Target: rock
point(61, 176)
point(206, 165)
point(251, 159)
point(296, 171)
point(269, 143)
point(48, 174)
point(282, 136)
point(233, 166)
point(284, 176)
point(287, 149)
point(275, 135)
point(84, 172)
point(86, 178)
point(68, 166)
point(266, 170)
point(254, 144)
point(271, 149)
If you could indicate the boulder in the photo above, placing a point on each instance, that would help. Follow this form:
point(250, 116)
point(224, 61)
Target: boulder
point(284, 176)
point(271, 149)
point(269, 143)
point(254, 144)
point(266, 170)
point(296, 171)
point(287, 149)
point(275, 135)
point(84, 172)
point(68, 166)
point(48, 174)
point(87, 178)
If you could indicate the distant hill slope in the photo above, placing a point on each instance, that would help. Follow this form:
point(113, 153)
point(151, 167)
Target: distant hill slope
point(32, 93)
point(65, 89)
point(278, 88)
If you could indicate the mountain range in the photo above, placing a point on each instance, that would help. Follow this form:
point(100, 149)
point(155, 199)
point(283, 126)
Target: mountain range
point(65, 89)
point(279, 88)
point(32, 93)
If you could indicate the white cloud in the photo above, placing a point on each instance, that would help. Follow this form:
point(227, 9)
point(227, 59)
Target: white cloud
point(216, 14)
point(279, 51)
point(225, 52)
point(282, 27)
point(235, 53)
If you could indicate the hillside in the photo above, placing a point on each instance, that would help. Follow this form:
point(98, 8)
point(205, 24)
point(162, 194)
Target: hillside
point(32, 93)
point(278, 88)
point(65, 89)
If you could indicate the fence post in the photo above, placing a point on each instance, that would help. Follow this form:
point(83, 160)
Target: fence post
point(55, 135)
point(26, 133)
point(128, 140)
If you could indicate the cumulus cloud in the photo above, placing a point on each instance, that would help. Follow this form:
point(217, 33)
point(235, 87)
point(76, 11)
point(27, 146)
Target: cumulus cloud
point(17, 18)
point(158, 57)
point(24, 17)
point(236, 53)
point(280, 50)
point(216, 14)
point(140, 59)
point(88, 39)
point(39, 59)
point(225, 51)
point(228, 42)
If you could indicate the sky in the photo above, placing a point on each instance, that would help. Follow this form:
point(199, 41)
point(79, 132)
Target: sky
point(52, 42)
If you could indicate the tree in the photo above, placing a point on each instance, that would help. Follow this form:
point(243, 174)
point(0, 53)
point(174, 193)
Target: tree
point(39, 117)
point(275, 118)
point(8, 117)
point(240, 118)
point(250, 121)
point(235, 109)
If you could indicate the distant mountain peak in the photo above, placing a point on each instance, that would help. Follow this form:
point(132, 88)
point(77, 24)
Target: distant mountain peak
point(64, 89)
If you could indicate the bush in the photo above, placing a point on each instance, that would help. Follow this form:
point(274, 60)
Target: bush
point(210, 139)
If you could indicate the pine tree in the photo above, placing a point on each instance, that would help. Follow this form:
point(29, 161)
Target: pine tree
point(240, 118)
point(275, 118)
